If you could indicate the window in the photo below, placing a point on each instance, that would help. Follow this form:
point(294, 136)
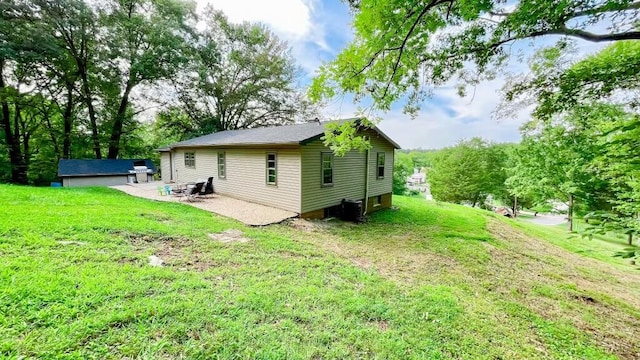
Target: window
point(327, 169)
point(222, 165)
point(380, 165)
point(272, 169)
point(190, 159)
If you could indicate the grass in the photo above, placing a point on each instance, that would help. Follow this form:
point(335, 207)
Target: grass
point(600, 247)
point(426, 280)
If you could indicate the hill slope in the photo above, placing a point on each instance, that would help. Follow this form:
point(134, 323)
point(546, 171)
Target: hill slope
point(423, 281)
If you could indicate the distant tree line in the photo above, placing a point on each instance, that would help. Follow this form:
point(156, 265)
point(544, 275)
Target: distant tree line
point(85, 79)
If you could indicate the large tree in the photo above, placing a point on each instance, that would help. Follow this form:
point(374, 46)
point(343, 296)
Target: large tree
point(468, 172)
point(241, 76)
point(146, 41)
point(408, 46)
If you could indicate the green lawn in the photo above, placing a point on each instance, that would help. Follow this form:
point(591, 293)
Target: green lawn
point(424, 281)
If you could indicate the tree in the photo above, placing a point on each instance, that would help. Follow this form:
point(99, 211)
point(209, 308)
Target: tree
point(468, 172)
point(241, 76)
point(402, 168)
point(407, 46)
point(146, 42)
point(593, 100)
point(556, 83)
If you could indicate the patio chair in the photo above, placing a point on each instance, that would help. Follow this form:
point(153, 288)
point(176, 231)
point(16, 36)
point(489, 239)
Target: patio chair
point(208, 188)
point(192, 192)
point(161, 190)
point(167, 189)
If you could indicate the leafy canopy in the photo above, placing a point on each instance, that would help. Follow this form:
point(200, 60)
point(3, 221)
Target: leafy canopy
point(406, 47)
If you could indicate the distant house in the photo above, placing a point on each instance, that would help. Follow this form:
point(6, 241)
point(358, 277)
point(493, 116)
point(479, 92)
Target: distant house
point(77, 172)
point(417, 178)
point(286, 167)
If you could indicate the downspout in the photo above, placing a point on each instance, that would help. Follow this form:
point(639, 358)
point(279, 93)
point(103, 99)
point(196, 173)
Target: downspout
point(366, 182)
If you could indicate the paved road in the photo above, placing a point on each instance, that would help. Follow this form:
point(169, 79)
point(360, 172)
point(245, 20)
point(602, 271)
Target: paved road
point(546, 219)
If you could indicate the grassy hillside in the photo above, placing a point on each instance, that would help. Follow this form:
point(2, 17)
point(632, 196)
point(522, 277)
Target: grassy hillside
point(423, 281)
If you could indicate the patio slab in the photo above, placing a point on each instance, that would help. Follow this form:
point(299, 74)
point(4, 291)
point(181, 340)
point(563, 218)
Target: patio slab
point(243, 211)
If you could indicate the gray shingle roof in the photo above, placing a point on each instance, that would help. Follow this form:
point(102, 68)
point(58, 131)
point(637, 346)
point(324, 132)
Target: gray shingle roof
point(79, 167)
point(274, 135)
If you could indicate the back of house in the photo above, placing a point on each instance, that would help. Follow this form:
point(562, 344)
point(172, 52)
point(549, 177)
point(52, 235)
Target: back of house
point(286, 167)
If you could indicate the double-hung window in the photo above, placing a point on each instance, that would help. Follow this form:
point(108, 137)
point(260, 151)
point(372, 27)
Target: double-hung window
point(190, 159)
point(380, 165)
point(272, 169)
point(327, 169)
point(222, 165)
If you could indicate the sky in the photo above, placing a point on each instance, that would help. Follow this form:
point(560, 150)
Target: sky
point(317, 30)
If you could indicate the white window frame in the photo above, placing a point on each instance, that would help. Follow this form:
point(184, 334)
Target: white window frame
point(274, 168)
point(190, 159)
point(222, 165)
point(380, 166)
point(323, 156)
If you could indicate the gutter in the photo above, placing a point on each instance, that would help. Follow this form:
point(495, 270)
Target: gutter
point(366, 183)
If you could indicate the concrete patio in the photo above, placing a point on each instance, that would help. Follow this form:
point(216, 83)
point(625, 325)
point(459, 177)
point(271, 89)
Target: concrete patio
point(243, 211)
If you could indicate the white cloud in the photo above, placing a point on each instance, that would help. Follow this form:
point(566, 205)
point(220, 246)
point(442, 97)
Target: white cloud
point(290, 19)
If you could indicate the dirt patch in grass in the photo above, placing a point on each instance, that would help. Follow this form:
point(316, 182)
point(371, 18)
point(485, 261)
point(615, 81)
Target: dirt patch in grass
point(309, 225)
point(175, 252)
point(600, 307)
point(230, 236)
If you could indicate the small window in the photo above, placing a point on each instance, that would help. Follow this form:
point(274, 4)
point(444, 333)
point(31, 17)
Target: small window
point(380, 165)
point(327, 169)
point(272, 169)
point(190, 160)
point(222, 165)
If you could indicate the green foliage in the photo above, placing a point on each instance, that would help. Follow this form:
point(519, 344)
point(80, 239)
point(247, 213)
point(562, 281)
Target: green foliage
point(77, 79)
point(468, 172)
point(241, 76)
point(584, 139)
point(406, 47)
point(402, 168)
point(342, 137)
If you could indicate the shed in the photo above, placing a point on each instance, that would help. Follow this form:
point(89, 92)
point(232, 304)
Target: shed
point(80, 172)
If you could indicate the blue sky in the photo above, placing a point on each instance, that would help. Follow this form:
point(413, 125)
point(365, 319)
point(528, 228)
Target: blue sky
point(317, 30)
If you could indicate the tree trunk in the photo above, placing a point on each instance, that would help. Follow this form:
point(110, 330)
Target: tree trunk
point(18, 176)
point(515, 206)
point(630, 239)
point(68, 122)
point(116, 131)
point(86, 94)
point(570, 213)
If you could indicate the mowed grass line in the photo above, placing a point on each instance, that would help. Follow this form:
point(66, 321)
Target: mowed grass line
point(348, 291)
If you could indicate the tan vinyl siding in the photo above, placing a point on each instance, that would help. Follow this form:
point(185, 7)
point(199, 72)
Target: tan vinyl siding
point(165, 167)
point(246, 177)
point(348, 174)
point(380, 186)
point(246, 174)
point(348, 178)
point(206, 165)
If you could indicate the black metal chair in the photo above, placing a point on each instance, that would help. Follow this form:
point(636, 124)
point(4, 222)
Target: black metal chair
point(192, 192)
point(208, 188)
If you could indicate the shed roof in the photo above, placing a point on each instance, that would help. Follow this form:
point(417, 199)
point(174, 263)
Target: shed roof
point(81, 167)
point(295, 134)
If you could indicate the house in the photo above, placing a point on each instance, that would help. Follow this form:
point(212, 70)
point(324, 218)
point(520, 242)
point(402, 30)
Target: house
point(286, 167)
point(77, 172)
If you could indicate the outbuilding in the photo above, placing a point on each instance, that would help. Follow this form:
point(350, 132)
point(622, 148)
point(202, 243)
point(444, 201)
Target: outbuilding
point(80, 172)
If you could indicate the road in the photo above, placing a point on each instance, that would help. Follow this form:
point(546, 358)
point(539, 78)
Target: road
point(546, 219)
